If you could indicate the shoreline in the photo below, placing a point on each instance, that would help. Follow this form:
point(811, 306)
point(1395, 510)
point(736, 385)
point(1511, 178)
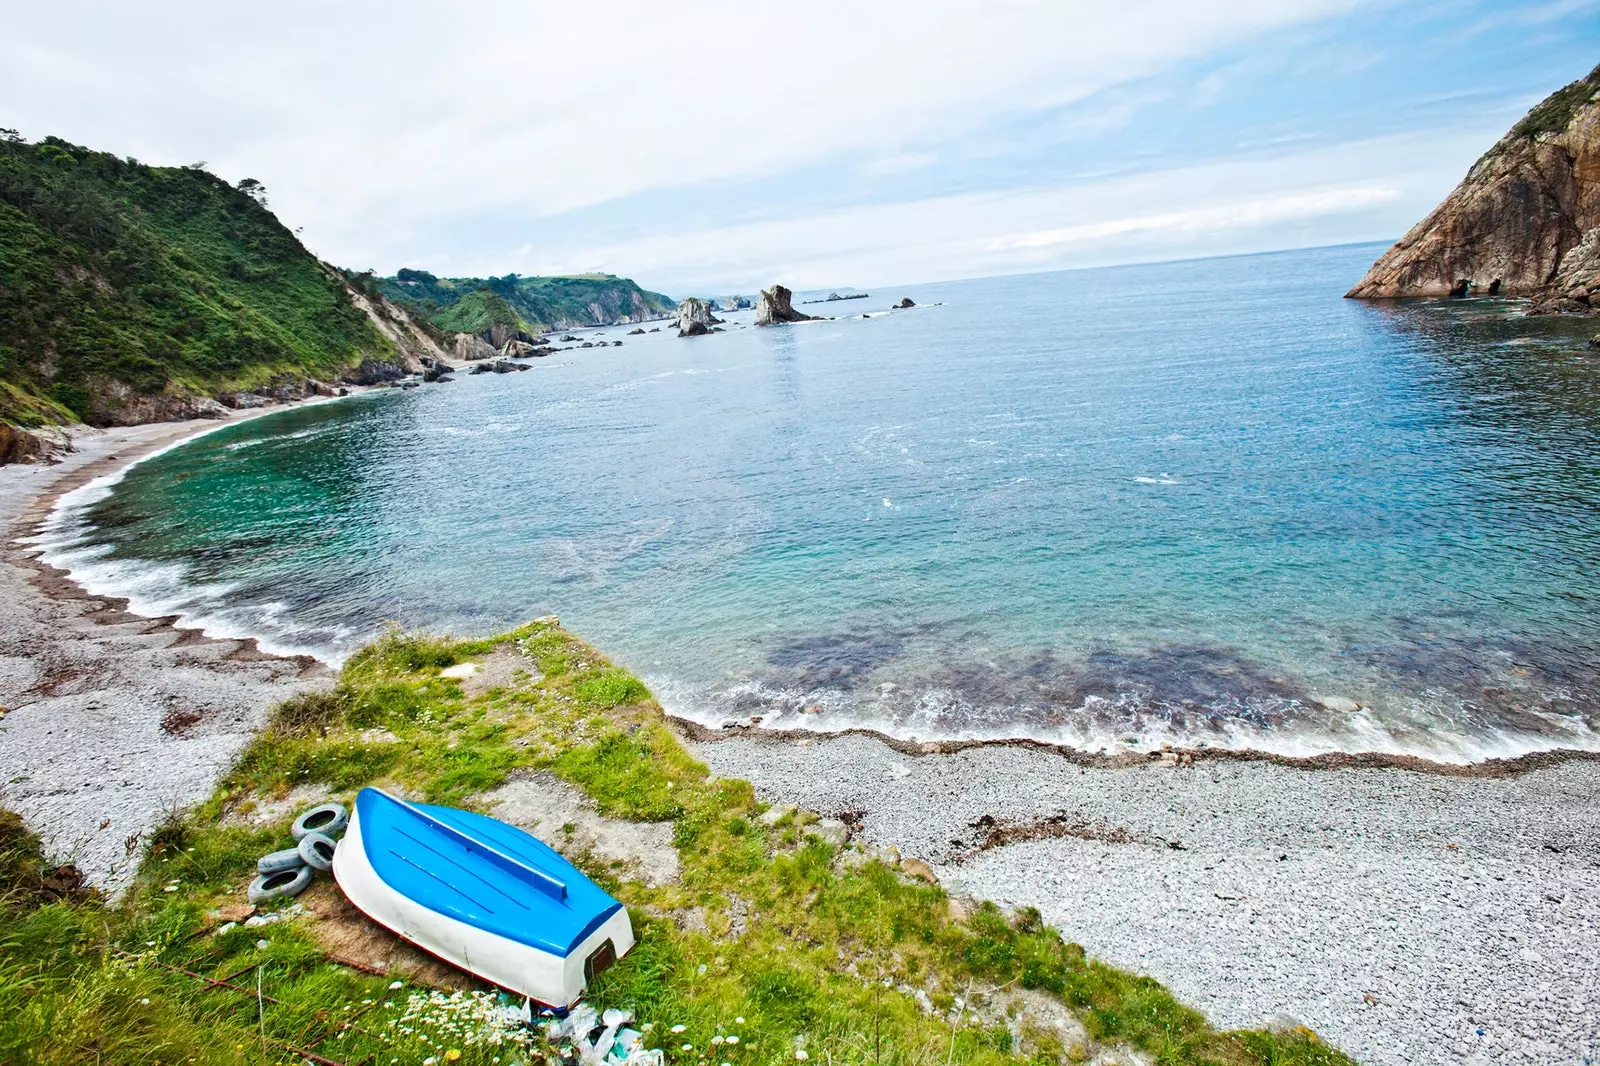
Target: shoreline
point(112, 718)
point(1407, 917)
point(1165, 755)
point(110, 469)
point(125, 715)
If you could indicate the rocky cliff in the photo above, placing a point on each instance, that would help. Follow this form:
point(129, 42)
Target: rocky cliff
point(776, 305)
point(1525, 221)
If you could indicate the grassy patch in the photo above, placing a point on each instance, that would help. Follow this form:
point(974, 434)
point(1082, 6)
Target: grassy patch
point(770, 935)
point(1554, 113)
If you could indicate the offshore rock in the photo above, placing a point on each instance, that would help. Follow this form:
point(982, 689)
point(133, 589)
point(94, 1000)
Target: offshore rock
point(1525, 221)
point(776, 305)
point(695, 317)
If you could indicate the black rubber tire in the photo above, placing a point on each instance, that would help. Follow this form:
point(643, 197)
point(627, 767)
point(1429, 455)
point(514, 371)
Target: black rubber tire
point(279, 861)
point(329, 819)
point(269, 887)
point(316, 851)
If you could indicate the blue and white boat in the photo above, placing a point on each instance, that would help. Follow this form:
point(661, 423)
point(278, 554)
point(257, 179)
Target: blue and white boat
point(480, 894)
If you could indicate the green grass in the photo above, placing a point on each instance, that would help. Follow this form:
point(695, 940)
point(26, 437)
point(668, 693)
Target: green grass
point(835, 945)
point(1554, 113)
point(120, 279)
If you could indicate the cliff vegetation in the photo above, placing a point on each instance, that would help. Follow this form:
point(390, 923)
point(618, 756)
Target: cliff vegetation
point(528, 304)
point(128, 290)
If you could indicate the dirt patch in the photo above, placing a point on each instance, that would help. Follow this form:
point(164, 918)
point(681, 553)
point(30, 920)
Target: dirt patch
point(566, 819)
point(501, 668)
point(989, 832)
point(348, 936)
point(264, 810)
point(179, 720)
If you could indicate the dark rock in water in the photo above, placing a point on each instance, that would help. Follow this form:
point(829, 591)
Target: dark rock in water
point(655, 329)
point(906, 302)
point(636, 332)
point(435, 372)
point(375, 372)
point(695, 312)
point(411, 384)
point(1525, 221)
point(616, 344)
point(442, 379)
point(567, 337)
point(776, 305)
point(587, 344)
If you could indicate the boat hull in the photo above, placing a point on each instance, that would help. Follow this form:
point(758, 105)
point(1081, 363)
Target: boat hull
point(545, 977)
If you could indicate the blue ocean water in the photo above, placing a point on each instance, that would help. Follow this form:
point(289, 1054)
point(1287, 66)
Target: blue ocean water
point(1206, 502)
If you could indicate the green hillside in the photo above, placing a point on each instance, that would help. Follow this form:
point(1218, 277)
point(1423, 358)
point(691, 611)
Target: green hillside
point(124, 285)
point(476, 304)
point(480, 310)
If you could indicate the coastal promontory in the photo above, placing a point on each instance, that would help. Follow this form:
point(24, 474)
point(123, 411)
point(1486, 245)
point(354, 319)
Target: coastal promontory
point(1525, 221)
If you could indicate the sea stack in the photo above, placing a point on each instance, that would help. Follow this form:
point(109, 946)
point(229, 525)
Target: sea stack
point(776, 305)
point(695, 317)
point(1525, 221)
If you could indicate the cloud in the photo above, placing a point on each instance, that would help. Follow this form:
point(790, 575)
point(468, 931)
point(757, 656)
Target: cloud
point(1211, 209)
point(1231, 216)
point(374, 123)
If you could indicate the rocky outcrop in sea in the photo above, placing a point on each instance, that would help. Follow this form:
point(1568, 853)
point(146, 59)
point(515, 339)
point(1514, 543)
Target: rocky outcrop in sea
point(1525, 221)
point(776, 305)
point(695, 317)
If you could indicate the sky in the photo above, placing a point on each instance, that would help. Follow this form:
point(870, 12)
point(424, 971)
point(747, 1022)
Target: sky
point(704, 147)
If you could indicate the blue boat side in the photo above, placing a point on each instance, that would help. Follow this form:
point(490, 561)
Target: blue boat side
point(480, 871)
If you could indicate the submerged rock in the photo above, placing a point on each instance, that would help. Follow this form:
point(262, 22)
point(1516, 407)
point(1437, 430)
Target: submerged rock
point(906, 302)
point(1525, 221)
point(776, 305)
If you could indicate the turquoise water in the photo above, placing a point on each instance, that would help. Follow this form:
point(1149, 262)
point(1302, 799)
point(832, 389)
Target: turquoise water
point(1180, 502)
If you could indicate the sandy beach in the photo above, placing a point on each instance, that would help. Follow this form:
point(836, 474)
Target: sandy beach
point(111, 719)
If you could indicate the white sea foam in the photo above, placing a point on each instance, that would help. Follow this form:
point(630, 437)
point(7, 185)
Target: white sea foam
point(160, 590)
point(1101, 726)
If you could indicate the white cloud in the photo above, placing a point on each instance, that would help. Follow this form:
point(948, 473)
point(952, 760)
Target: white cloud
point(1213, 209)
point(371, 123)
point(1283, 208)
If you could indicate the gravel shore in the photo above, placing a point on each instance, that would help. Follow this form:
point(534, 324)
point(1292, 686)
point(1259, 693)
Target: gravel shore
point(109, 719)
point(1408, 917)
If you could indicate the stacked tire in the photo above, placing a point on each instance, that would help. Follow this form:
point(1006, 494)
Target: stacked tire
point(281, 874)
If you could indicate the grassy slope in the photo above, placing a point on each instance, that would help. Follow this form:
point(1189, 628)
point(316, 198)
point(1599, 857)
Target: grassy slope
point(828, 944)
point(540, 302)
point(478, 311)
point(160, 278)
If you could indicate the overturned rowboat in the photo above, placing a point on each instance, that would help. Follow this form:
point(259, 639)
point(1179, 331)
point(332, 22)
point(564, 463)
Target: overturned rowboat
point(480, 894)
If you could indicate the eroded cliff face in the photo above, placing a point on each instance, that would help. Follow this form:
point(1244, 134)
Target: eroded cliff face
point(1523, 222)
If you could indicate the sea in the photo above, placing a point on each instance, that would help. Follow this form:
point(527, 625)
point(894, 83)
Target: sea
point(1206, 504)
